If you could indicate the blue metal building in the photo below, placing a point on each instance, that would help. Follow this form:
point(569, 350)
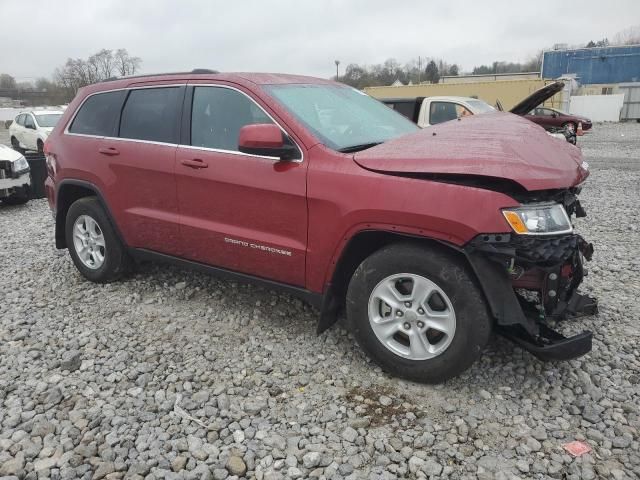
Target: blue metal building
point(594, 65)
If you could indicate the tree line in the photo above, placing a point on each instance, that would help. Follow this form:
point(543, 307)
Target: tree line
point(415, 71)
point(73, 75)
point(432, 70)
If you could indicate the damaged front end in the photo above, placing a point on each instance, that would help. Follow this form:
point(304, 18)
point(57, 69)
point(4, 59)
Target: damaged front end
point(531, 283)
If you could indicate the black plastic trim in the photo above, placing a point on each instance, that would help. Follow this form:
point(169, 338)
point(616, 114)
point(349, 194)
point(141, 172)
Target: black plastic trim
point(185, 120)
point(556, 345)
point(498, 290)
point(60, 222)
point(316, 300)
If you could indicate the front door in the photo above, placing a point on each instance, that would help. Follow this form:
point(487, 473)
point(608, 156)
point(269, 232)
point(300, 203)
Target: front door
point(241, 212)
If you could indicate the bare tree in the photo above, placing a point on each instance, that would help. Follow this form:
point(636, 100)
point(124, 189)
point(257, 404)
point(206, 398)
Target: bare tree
point(126, 64)
point(103, 62)
point(77, 73)
point(628, 36)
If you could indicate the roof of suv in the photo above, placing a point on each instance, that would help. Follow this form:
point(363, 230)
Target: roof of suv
point(236, 77)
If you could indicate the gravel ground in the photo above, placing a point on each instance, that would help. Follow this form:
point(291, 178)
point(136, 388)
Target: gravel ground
point(172, 374)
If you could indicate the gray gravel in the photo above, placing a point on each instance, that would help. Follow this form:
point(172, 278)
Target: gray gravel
point(172, 374)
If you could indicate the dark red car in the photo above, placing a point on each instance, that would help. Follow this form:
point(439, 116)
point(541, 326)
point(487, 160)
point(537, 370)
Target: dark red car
point(428, 238)
point(549, 118)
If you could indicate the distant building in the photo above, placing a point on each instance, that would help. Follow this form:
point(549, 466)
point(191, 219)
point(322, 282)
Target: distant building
point(488, 77)
point(598, 65)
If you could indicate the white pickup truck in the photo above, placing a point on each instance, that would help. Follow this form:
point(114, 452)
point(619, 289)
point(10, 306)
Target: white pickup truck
point(427, 111)
point(15, 178)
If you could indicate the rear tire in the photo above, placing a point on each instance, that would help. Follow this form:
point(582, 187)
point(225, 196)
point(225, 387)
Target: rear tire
point(455, 306)
point(15, 144)
point(93, 244)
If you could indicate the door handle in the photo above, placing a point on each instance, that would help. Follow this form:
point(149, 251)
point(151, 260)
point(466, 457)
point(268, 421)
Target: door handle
point(109, 151)
point(194, 163)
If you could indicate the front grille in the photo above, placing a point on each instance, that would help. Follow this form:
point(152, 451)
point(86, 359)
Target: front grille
point(545, 250)
point(530, 250)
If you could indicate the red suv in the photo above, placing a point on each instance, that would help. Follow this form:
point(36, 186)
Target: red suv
point(430, 239)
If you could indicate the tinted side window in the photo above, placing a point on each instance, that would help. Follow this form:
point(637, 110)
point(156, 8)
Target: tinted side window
point(151, 114)
point(20, 119)
point(442, 112)
point(98, 114)
point(218, 114)
point(28, 121)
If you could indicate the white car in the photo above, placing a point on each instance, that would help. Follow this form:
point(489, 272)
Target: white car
point(29, 130)
point(14, 177)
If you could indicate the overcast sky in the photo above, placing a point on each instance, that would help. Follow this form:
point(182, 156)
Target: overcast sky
point(295, 36)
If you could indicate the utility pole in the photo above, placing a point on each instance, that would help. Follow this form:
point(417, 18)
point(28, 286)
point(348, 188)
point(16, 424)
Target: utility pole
point(419, 68)
point(337, 75)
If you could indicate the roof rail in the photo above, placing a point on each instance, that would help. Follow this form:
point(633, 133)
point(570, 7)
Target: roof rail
point(196, 71)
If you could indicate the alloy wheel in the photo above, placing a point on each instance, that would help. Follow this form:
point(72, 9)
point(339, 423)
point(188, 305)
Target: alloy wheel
point(88, 241)
point(412, 316)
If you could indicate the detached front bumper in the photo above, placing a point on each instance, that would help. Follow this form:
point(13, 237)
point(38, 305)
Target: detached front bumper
point(531, 283)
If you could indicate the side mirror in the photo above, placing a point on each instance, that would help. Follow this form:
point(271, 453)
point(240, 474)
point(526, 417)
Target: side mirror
point(265, 139)
point(554, 115)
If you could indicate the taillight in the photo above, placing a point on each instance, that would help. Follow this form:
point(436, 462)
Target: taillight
point(49, 159)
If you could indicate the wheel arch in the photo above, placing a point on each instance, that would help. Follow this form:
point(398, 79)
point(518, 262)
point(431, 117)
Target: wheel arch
point(69, 191)
point(360, 246)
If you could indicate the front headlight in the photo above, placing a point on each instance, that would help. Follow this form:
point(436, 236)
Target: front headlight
point(541, 219)
point(19, 165)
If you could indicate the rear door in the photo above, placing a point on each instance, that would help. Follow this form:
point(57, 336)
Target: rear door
point(29, 134)
point(241, 212)
point(17, 127)
point(130, 158)
point(142, 160)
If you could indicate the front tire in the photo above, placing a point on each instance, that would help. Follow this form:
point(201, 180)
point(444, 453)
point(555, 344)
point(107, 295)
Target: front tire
point(417, 312)
point(95, 249)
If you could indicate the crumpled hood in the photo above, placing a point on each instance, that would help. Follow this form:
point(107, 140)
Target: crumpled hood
point(498, 145)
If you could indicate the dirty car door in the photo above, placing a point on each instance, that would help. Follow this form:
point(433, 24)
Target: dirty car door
point(241, 212)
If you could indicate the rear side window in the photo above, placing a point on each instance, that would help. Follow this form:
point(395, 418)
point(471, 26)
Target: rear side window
point(218, 114)
point(98, 115)
point(20, 119)
point(151, 114)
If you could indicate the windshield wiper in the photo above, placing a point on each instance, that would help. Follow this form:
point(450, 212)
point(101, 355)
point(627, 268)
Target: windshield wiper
point(357, 148)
